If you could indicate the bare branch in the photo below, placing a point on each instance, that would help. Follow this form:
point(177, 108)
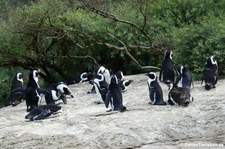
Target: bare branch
point(113, 17)
point(128, 53)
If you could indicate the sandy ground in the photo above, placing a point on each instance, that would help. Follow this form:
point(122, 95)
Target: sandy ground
point(84, 124)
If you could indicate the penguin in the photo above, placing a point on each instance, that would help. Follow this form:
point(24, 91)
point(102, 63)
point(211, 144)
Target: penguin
point(101, 86)
point(43, 111)
point(210, 74)
point(114, 95)
point(179, 96)
point(16, 98)
point(184, 77)
point(59, 91)
point(155, 90)
point(33, 91)
point(167, 72)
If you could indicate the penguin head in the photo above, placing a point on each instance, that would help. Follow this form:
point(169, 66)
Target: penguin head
point(33, 78)
point(113, 80)
point(120, 75)
point(152, 76)
point(211, 61)
point(180, 69)
point(84, 76)
point(101, 70)
point(63, 88)
point(19, 77)
point(168, 54)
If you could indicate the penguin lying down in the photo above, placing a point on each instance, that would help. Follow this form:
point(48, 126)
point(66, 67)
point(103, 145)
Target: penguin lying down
point(43, 111)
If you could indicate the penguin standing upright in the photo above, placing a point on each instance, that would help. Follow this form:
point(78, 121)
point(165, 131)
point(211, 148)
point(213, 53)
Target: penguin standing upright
point(32, 95)
point(179, 96)
point(184, 78)
point(155, 90)
point(16, 98)
point(167, 72)
point(210, 74)
point(101, 86)
point(114, 95)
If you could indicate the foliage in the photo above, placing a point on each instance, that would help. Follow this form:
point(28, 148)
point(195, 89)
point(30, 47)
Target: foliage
point(64, 38)
point(193, 44)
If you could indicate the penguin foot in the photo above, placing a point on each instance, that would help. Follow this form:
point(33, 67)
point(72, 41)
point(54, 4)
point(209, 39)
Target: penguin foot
point(123, 109)
point(98, 102)
point(110, 110)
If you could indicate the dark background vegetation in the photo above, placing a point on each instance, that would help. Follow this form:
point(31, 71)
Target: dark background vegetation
point(66, 37)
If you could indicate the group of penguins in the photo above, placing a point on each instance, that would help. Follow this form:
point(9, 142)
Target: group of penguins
point(178, 78)
point(110, 87)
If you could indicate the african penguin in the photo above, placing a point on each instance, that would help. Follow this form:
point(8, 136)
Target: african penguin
point(16, 98)
point(167, 72)
point(179, 96)
point(114, 95)
point(210, 74)
point(184, 78)
point(59, 91)
point(43, 111)
point(155, 90)
point(32, 95)
point(101, 86)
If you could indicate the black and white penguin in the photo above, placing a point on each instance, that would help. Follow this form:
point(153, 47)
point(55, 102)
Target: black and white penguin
point(43, 111)
point(184, 77)
point(59, 91)
point(16, 98)
point(179, 96)
point(101, 86)
point(167, 72)
point(114, 95)
point(32, 94)
point(210, 74)
point(155, 90)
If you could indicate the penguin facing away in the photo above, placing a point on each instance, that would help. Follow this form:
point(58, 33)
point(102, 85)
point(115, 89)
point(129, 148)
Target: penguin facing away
point(184, 78)
point(179, 96)
point(114, 95)
point(16, 98)
point(210, 74)
point(155, 90)
point(167, 72)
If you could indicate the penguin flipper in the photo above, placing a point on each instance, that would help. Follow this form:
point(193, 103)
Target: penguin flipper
point(107, 100)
